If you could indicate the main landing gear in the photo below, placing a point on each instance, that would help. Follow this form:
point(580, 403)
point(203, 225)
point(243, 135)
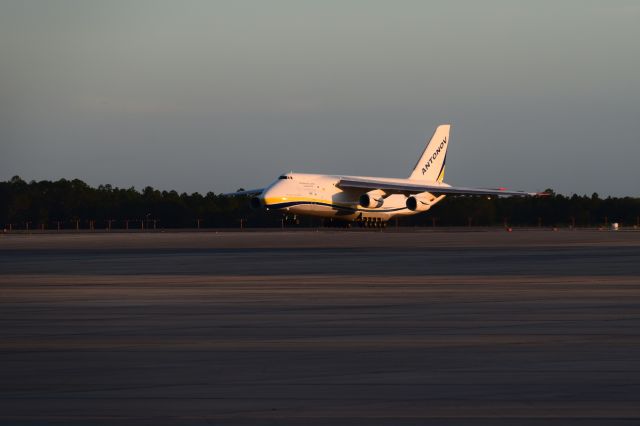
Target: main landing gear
point(371, 222)
point(360, 222)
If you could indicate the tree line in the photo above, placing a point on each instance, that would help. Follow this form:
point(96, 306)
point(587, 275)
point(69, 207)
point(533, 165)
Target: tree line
point(71, 204)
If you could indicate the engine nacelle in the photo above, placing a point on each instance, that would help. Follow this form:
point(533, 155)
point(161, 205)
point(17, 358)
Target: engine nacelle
point(420, 202)
point(255, 203)
point(372, 199)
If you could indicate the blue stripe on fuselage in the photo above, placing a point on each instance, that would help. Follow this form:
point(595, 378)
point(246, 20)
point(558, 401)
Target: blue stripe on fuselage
point(333, 206)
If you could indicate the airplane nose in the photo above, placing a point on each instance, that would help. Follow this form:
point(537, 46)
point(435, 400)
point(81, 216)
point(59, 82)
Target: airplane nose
point(263, 199)
point(270, 198)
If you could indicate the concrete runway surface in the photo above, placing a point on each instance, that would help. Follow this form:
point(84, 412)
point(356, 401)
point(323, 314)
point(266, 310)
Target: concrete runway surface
point(330, 327)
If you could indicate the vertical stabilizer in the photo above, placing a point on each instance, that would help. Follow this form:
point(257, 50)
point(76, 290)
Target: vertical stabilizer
point(430, 166)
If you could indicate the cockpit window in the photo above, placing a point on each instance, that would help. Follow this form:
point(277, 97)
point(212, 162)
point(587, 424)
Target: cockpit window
point(285, 177)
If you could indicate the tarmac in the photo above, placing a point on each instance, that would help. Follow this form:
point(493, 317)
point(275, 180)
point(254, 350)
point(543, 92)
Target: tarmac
point(331, 327)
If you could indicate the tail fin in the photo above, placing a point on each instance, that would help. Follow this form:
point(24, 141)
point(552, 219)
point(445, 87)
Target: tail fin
point(430, 166)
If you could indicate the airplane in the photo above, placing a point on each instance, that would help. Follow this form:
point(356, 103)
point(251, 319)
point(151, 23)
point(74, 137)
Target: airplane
point(369, 201)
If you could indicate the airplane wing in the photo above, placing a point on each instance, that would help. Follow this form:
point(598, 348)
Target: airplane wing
point(407, 186)
point(244, 192)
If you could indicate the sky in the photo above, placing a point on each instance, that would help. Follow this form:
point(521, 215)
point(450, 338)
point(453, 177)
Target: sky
point(214, 96)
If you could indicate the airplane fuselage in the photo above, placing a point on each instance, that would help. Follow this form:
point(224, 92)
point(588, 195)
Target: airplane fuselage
point(320, 195)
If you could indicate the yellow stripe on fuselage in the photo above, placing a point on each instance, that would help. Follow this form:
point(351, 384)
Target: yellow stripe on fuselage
point(280, 200)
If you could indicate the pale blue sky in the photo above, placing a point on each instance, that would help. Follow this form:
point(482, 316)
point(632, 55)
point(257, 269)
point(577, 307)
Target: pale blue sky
point(212, 96)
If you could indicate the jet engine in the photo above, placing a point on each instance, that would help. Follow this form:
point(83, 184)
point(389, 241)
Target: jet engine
point(372, 199)
point(255, 203)
point(420, 202)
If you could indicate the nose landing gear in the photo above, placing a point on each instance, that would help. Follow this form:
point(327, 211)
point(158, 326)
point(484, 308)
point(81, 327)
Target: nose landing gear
point(290, 219)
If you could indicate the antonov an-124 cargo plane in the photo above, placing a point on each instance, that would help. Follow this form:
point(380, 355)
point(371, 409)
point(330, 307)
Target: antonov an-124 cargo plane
point(371, 201)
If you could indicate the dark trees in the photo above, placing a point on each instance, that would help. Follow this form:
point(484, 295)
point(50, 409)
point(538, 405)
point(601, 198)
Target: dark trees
point(71, 203)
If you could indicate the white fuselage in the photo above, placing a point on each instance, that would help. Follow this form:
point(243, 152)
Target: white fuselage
point(319, 195)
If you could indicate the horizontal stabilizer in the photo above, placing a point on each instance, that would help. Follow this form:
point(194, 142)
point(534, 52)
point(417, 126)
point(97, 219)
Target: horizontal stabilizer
point(244, 192)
